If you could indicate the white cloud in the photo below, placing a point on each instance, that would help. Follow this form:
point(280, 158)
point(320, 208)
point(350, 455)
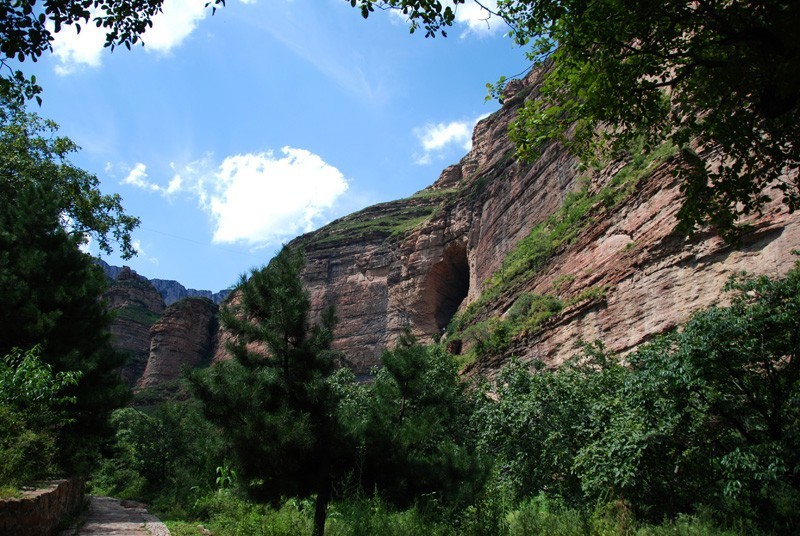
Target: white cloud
point(75, 50)
point(436, 139)
point(170, 28)
point(141, 253)
point(258, 199)
point(477, 20)
point(472, 17)
point(138, 177)
point(174, 185)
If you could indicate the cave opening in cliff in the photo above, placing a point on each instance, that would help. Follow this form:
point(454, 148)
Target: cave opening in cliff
point(447, 285)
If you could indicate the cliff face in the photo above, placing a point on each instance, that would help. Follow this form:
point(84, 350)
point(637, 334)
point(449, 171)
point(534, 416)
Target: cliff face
point(185, 335)
point(622, 273)
point(136, 306)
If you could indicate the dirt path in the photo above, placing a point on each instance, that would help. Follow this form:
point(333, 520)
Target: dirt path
point(112, 517)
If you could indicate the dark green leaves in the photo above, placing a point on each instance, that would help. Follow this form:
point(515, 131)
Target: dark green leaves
point(715, 74)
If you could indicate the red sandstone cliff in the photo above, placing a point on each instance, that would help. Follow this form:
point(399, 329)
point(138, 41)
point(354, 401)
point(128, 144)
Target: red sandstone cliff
point(136, 305)
point(185, 335)
point(415, 262)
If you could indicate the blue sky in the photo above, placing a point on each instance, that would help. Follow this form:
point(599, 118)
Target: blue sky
point(229, 135)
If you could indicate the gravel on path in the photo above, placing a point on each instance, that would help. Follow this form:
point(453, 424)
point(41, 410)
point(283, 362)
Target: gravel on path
point(111, 517)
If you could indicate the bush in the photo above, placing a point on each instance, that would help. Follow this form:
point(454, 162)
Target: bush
point(31, 414)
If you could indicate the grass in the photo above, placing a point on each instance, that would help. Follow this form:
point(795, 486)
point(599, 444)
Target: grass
point(389, 224)
point(138, 314)
point(9, 492)
point(435, 194)
point(169, 391)
point(228, 515)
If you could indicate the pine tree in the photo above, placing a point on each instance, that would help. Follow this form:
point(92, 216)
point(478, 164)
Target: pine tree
point(274, 401)
point(414, 430)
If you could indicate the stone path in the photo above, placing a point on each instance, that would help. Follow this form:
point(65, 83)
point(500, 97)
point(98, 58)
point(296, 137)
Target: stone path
point(112, 517)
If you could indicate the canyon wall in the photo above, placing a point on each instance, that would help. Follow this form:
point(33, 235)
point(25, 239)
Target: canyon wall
point(184, 336)
point(136, 306)
point(414, 263)
point(621, 272)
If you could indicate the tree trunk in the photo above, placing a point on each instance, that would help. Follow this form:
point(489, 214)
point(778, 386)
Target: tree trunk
point(321, 508)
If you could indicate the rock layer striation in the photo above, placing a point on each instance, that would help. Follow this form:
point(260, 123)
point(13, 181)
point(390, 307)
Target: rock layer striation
point(413, 263)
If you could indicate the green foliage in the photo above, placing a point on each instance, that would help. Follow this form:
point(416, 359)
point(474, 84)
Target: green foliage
point(49, 288)
point(28, 29)
point(35, 161)
point(229, 515)
point(392, 221)
point(27, 453)
point(29, 385)
point(274, 401)
point(535, 423)
point(31, 415)
point(411, 429)
point(531, 254)
point(707, 415)
point(177, 390)
point(721, 71)
point(431, 16)
point(167, 458)
point(137, 313)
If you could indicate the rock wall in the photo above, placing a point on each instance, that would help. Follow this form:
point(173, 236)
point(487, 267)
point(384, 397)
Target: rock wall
point(185, 335)
point(655, 278)
point(39, 512)
point(414, 262)
point(136, 306)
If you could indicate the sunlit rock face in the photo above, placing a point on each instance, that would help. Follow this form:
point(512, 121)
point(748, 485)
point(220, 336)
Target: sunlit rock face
point(412, 263)
point(185, 335)
point(136, 306)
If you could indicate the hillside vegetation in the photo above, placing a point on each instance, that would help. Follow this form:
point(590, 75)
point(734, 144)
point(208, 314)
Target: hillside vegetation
point(694, 433)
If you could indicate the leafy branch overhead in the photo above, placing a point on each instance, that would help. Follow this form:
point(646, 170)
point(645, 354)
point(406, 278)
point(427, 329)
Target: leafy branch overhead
point(33, 157)
point(27, 29)
point(713, 75)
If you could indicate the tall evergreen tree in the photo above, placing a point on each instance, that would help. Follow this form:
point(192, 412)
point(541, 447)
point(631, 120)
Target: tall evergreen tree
point(414, 434)
point(50, 289)
point(274, 400)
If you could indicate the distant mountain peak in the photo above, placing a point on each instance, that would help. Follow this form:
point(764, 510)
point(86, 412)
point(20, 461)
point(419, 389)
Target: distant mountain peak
point(169, 289)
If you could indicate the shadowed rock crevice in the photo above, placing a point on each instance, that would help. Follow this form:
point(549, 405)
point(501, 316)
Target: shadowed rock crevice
point(446, 286)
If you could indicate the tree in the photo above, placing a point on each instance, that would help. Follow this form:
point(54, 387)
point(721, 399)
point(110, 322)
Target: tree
point(706, 415)
point(275, 400)
point(27, 29)
point(412, 430)
point(719, 74)
point(49, 288)
point(33, 157)
point(536, 421)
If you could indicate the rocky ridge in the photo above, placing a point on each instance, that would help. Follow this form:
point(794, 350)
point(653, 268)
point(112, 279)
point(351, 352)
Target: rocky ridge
point(621, 273)
point(170, 290)
point(136, 306)
point(184, 336)
point(158, 339)
point(560, 255)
